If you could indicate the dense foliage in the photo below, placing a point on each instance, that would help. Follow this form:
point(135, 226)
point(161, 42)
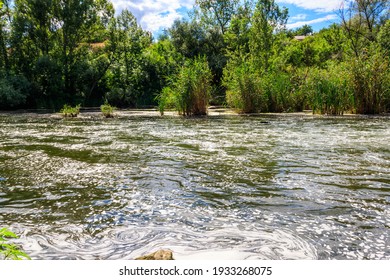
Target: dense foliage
point(239, 53)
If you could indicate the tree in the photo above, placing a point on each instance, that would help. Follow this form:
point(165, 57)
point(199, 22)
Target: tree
point(336, 41)
point(237, 35)
point(384, 38)
point(74, 21)
point(361, 20)
point(127, 73)
point(305, 30)
point(267, 20)
point(196, 38)
point(5, 23)
point(188, 37)
point(217, 13)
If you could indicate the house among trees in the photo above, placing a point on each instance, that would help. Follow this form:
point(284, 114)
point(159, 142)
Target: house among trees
point(300, 37)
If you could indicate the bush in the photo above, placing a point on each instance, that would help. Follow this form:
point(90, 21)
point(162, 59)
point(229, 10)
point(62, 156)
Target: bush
point(107, 110)
point(190, 92)
point(13, 91)
point(8, 250)
point(69, 111)
point(47, 83)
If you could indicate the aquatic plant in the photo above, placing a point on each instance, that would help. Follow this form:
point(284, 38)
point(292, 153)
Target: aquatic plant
point(107, 110)
point(190, 91)
point(370, 80)
point(69, 111)
point(10, 251)
point(243, 91)
point(330, 91)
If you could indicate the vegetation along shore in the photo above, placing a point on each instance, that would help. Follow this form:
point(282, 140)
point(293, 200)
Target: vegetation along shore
point(237, 53)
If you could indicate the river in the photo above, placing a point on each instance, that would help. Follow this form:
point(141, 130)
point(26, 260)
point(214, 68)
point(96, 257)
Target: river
point(222, 187)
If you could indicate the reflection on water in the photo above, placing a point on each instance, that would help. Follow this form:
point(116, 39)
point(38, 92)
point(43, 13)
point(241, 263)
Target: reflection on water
point(231, 187)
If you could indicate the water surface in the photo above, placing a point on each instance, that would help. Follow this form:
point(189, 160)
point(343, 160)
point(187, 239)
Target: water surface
point(288, 187)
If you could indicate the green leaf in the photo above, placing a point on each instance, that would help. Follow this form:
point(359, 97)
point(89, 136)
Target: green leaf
point(7, 234)
point(8, 250)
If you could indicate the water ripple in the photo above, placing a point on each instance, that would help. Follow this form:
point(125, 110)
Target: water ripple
point(232, 188)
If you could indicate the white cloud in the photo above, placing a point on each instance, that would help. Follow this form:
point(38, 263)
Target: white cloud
point(298, 17)
point(330, 18)
point(154, 15)
point(315, 5)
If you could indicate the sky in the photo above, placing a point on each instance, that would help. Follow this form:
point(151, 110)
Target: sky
point(157, 15)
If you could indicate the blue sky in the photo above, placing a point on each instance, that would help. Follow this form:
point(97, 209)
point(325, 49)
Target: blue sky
point(156, 15)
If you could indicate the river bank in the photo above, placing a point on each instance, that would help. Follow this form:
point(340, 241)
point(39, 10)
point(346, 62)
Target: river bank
point(94, 113)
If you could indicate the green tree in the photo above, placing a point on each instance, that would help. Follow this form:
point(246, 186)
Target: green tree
point(237, 35)
point(188, 37)
point(127, 73)
point(51, 47)
point(361, 21)
point(5, 23)
point(267, 20)
point(305, 30)
point(75, 18)
point(336, 41)
point(217, 14)
point(384, 38)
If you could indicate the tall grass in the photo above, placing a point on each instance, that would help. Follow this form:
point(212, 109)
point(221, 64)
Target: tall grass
point(243, 88)
point(250, 91)
point(330, 91)
point(190, 92)
point(359, 85)
point(278, 90)
point(370, 78)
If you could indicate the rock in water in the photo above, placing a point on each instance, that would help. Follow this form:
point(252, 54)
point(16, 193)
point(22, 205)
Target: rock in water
point(161, 255)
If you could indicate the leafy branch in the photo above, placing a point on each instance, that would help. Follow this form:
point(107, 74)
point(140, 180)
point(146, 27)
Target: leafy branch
point(10, 251)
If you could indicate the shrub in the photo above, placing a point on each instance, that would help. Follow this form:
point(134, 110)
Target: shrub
point(190, 92)
point(107, 110)
point(13, 91)
point(69, 111)
point(8, 250)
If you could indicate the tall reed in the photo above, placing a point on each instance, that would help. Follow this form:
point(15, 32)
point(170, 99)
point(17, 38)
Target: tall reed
point(190, 92)
point(370, 78)
point(330, 90)
point(243, 88)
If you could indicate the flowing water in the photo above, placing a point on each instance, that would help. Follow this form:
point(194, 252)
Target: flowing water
point(287, 187)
